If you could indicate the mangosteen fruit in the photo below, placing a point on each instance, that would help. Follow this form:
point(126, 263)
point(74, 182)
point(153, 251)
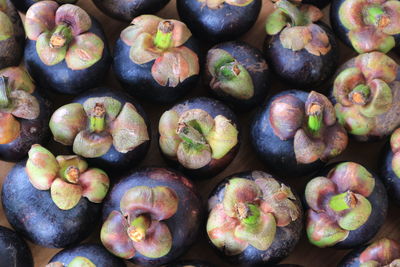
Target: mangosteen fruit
point(219, 20)
point(190, 263)
point(254, 219)
point(24, 5)
point(151, 217)
point(318, 3)
point(366, 94)
point(85, 255)
point(157, 59)
point(347, 206)
point(12, 35)
point(107, 127)
point(299, 48)
point(54, 201)
point(295, 133)
point(24, 114)
point(66, 50)
point(237, 74)
point(13, 249)
point(126, 10)
point(367, 25)
point(383, 252)
point(199, 136)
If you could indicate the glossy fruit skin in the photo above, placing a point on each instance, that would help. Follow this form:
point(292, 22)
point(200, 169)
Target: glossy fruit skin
point(217, 25)
point(94, 252)
point(300, 68)
point(184, 229)
point(11, 50)
point(61, 79)
point(23, 5)
point(389, 178)
point(113, 160)
point(352, 258)
point(278, 155)
point(190, 263)
point(285, 240)
point(138, 81)
point(251, 58)
point(13, 250)
point(214, 108)
point(33, 213)
point(127, 10)
point(32, 132)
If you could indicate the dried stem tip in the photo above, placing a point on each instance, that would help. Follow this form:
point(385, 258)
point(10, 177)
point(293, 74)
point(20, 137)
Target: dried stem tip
point(72, 174)
point(61, 36)
point(360, 94)
point(138, 228)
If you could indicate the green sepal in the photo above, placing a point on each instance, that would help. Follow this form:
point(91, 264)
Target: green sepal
point(6, 29)
point(276, 21)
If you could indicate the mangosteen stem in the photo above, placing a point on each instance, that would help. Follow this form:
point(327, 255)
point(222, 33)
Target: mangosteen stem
point(97, 118)
point(360, 94)
point(248, 214)
point(315, 118)
point(61, 36)
point(71, 174)
point(191, 136)
point(376, 16)
point(4, 92)
point(297, 18)
point(138, 228)
point(343, 201)
point(228, 71)
point(163, 39)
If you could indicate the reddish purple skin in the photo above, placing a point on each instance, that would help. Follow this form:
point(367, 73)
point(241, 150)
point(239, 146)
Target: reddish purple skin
point(32, 132)
point(214, 108)
point(389, 178)
point(13, 250)
point(94, 252)
point(194, 263)
point(285, 240)
point(184, 224)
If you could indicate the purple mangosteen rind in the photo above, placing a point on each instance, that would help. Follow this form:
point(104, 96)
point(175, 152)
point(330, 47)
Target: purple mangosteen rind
point(200, 136)
point(183, 223)
point(191, 263)
point(13, 249)
point(369, 210)
point(238, 74)
point(366, 96)
point(288, 226)
point(24, 5)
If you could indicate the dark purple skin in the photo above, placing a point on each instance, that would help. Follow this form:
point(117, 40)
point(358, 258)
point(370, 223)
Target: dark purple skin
point(214, 108)
point(137, 80)
point(113, 160)
point(389, 178)
point(61, 79)
point(278, 155)
point(33, 213)
point(251, 59)
point(127, 10)
point(352, 259)
point(94, 252)
point(190, 263)
point(300, 68)
point(23, 5)
point(288, 265)
point(13, 250)
point(184, 224)
point(11, 50)
point(32, 132)
point(285, 241)
point(218, 25)
point(318, 3)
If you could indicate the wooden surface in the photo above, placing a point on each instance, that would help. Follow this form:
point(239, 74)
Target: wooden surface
point(304, 254)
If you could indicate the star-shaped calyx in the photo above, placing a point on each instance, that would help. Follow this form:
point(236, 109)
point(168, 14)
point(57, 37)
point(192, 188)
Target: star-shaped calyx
point(384, 252)
point(214, 4)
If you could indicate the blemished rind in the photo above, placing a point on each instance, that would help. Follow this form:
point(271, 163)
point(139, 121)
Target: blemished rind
point(33, 213)
point(13, 249)
point(389, 178)
point(23, 5)
point(300, 68)
point(253, 60)
point(94, 252)
point(285, 240)
point(184, 225)
point(221, 24)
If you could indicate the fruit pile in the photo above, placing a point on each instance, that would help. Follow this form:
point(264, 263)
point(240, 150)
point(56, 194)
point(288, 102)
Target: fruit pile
point(154, 140)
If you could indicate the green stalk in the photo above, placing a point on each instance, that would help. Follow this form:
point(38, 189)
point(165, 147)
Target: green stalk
point(315, 118)
point(4, 92)
point(229, 71)
point(375, 15)
point(61, 36)
point(342, 201)
point(293, 12)
point(97, 119)
point(138, 228)
point(253, 215)
point(163, 39)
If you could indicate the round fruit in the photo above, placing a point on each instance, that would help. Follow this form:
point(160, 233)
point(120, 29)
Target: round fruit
point(13, 249)
point(24, 5)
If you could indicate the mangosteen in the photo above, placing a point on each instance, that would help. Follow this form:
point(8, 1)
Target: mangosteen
point(300, 49)
point(107, 127)
point(366, 93)
point(190, 263)
point(157, 59)
point(151, 217)
point(23, 5)
point(237, 74)
point(126, 10)
point(12, 35)
point(295, 133)
point(13, 249)
point(219, 20)
point(318, 3)
point(66, 50)
point(383, 252)
point(85, 255)
point(24, 114)
point(366, 25)
point(199, 136)
point(347, 205)
point(254, 219)
point(54, 201)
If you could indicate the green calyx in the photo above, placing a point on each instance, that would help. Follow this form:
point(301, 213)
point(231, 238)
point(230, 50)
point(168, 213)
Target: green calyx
point(163, 39)
point(4, 92)
point(61, 36)
point(360, 94)
point(342, 201)
point(97, 119)
point(296, 16)
point(375, 15)
point(138, 228)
